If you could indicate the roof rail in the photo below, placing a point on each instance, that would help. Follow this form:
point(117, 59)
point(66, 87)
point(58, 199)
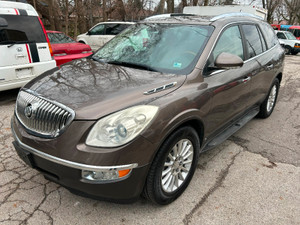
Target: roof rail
point(235, 14)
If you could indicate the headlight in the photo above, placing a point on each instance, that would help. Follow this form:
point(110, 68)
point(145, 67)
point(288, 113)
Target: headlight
point(121, 127)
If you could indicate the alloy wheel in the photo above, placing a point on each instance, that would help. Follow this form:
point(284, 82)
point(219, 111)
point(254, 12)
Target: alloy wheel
point(177, 165)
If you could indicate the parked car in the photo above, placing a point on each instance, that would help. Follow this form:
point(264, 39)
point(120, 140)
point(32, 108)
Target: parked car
point(66, 49)
point(25, 50)
point(289, 41)
point(134, 117)
point(101, 33)
point(295, 30)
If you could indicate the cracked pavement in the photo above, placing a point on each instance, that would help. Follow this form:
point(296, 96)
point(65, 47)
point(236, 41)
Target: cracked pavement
point(252, 178)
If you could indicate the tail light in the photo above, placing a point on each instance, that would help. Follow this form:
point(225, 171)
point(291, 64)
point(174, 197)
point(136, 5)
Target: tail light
point(47, 39)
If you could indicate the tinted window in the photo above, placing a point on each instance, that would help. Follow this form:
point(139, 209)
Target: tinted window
point(168, 48)
point(114, 29)
point(59, 38)
point(253, 41)
point(296, 32)
point(263, 41)
point(281, 36)
point(230, 41)
point(21, 28)
point(98, 30)
point(269, 35)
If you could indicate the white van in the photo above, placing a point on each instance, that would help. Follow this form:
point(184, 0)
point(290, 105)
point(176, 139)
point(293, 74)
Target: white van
point(24, 45)
point(101, 33)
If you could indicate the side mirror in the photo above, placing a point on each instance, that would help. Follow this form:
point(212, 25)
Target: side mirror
point(228, 61)
point(3, 22)
point(89, 33)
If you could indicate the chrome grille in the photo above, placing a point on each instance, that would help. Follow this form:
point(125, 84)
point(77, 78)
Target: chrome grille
point(41, 116)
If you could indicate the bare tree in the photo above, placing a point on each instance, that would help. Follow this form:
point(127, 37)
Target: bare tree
point(271, 5)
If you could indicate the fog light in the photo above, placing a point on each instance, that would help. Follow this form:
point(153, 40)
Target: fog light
point(105, 175)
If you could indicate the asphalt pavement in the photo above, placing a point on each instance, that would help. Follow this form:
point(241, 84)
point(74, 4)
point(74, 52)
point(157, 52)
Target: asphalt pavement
point(252, 178)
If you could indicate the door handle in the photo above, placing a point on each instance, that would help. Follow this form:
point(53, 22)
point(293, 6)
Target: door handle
point(20, 56)
point(245, 80)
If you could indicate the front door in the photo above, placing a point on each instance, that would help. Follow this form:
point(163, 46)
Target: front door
point(230, 88)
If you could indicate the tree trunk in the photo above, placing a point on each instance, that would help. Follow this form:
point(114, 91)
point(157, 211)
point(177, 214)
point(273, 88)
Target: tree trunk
point(161, 7)
point(90, 13)
point(104, 11)
point(51, 16)
point(67, 17)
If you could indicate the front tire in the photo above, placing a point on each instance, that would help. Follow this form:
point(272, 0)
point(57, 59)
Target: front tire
point(268, 105)
point(288, 50)
point(294, 52)
point(173, 167)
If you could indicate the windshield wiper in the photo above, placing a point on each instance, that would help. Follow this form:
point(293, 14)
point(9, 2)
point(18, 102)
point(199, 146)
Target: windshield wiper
point(95, 58)
point(133, 65)
point(12, 43)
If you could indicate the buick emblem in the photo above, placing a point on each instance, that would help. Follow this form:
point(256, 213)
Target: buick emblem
point(19, 49)
point(28, 111)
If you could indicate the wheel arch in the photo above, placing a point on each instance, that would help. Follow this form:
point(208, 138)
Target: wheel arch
point(193, 122)
point(82, 41)
point(279, 77)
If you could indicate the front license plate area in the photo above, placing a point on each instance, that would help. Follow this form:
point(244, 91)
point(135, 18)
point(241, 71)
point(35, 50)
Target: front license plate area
point(25, 156)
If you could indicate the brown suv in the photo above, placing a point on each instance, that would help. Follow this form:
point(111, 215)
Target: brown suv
point(134, 117)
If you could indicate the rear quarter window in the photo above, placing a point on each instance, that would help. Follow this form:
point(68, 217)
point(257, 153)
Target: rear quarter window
point(114, 29)
point(254, 42)
point(269, 35)
point(22, 28)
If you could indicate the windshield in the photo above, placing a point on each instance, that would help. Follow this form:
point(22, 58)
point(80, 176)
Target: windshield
point(290, 36)
point(168, 48)
point(59, 38)
point(21, 29)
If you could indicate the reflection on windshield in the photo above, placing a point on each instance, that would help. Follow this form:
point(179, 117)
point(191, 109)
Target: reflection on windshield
point(169, 48)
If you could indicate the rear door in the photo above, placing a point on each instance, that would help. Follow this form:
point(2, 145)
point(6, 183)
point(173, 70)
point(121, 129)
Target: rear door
point(269, 60)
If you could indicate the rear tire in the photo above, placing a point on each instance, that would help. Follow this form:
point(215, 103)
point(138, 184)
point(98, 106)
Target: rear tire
point(173, 167)
point(268, 105)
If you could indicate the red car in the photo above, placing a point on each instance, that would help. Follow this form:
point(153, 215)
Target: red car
point(65, 48)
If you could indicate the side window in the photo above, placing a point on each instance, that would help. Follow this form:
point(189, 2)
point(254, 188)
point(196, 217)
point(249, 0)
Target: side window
point(269, 35)
point(264, 45)
point(98, 30)
point(281, 36)
point(114, 29)
point(230, 41)
point(253, 40)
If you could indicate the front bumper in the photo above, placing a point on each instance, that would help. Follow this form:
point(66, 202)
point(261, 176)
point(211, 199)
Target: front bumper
point(125, 190)
point(69, 174)
point(296, 49)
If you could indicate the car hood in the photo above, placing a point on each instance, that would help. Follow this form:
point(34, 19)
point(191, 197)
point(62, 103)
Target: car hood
point(93, 89)
point(70, 48)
